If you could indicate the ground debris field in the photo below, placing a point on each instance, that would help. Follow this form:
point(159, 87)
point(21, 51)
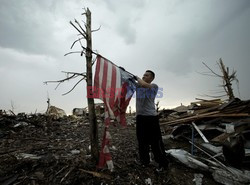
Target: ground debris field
point(36, 149)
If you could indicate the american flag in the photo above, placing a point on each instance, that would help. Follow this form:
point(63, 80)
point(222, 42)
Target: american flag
point(115, 87)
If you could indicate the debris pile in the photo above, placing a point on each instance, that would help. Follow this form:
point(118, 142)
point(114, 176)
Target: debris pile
point(42, 149)
point(217, 132)
point(207, 142)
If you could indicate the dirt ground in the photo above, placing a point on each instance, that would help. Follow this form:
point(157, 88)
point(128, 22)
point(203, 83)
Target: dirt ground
point(61, 155)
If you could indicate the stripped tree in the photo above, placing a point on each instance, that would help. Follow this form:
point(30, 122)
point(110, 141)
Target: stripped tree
point(85, 34)
point(227, 80)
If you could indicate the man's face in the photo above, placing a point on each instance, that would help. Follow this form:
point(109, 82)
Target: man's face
point(147, 77)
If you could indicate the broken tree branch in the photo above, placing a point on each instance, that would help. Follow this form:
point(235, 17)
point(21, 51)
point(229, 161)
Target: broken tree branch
point(77, 29)
point(76, 42)
point(73, 52)
point(207, 74)
point(81, 27)
point(60, 81)
point(96, 29)
point(212, 70)
point(80, 74)
point(72, 75)
point(74, 86)
point(85, 11)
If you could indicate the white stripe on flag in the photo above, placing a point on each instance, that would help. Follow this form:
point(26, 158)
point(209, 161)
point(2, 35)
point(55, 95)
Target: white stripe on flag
point(101, 74)
point(108, 86)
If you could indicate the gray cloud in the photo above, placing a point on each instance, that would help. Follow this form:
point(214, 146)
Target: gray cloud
point(170, 37)
point(120, 5)
point(192, 28)
point(23, 26)
point(126, 15)
point(34, 26)
point(126, 30)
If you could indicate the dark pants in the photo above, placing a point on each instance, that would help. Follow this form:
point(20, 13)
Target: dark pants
point(149, 134)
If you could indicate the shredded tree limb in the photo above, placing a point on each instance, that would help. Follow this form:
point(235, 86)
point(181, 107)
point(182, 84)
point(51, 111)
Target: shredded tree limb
point(70, 75)
point(226, 77)
point(96, 29)
point(74, 86)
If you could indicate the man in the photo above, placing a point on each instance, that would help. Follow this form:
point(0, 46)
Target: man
point(147, 123)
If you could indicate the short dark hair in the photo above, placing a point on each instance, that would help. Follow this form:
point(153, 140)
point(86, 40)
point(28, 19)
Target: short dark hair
point(152, 73)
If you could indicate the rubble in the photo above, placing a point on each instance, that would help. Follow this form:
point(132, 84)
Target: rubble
point(56, 112)
point(187, 159)
point(44, 149)
point(219, 130)
point(79, 112)
point(56, 151)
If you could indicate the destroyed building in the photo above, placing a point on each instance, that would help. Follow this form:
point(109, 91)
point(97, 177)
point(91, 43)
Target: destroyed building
point(56, 112)
point(38, 150)
point(99, 109)
point(220, 131)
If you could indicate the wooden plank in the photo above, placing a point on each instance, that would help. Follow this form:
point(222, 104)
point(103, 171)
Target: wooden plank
point(222, 137)
point(201, 134)
point(213, 100)
point(206, 115)
point(188, 119)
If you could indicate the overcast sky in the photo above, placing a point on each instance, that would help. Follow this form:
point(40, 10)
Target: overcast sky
point(170, 37)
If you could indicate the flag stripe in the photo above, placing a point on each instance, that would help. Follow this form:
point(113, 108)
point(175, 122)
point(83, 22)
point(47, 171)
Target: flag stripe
point(109, 74)
point(118, 84)
point(113, 87)
point(108, 86)
point(104, 77)
point(101, 74)
point(104, 65)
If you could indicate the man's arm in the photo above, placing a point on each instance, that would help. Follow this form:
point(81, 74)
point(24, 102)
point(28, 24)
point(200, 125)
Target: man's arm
point(143, 83)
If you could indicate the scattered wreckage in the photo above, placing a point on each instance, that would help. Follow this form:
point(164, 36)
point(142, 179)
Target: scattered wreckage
point(202, 140)
point(217, 130)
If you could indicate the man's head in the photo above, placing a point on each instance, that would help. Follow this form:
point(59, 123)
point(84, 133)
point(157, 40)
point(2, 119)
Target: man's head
point(148, 76)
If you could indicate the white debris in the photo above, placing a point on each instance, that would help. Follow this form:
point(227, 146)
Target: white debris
point(198, 178)
point(20, 124)
point(232, 176)
point(186, 158)
point(75, 151)
point(27, 156)
point(148, 181)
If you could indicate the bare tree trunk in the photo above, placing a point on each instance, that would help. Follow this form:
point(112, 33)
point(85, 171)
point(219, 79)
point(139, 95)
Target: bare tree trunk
point(91, 103)
point(228, 85)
